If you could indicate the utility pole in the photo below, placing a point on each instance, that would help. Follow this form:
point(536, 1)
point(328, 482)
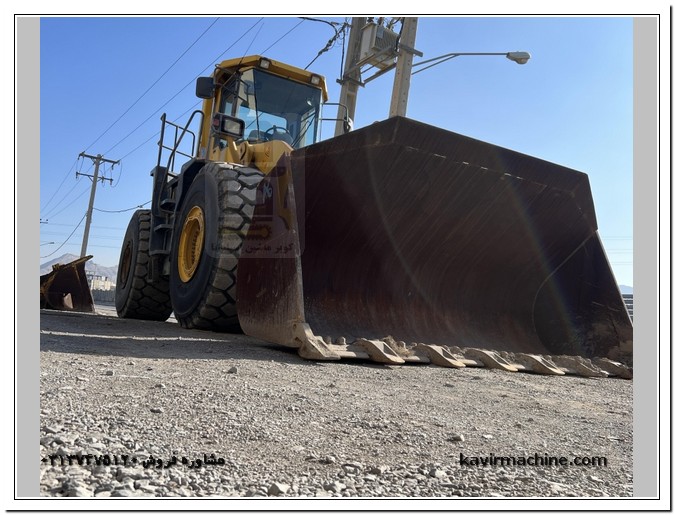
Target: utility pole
point(399, 95)
point(400, 55)
point(351, 80)
point(98, 159)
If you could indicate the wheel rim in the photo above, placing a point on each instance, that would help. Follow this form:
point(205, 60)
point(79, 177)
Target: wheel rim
point(125, 266)
point(191, 244)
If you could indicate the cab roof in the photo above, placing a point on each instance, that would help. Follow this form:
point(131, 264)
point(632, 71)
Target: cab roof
point(275, 67)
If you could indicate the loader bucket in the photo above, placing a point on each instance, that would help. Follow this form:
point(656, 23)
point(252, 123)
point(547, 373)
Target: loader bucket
point(408, 234)
point(66, 287)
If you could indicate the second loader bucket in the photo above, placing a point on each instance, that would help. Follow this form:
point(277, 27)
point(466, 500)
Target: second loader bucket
point(66, 287)
point(402, 233)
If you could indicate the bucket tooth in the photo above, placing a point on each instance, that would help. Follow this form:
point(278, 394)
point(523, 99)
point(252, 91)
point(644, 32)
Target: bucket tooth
point(311, 346)
point(578, 366)
point(614, 368)
point(439, 356)
point(490, 359)
point(380, 351)
point(538, 365)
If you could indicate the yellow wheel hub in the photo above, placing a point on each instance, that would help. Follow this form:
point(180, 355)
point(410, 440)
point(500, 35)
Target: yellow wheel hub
point(191, 244)
point(125, 267)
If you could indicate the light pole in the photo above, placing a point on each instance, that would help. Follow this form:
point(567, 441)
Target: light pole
point(399, 100)
point(385, 54)
point(517, 57)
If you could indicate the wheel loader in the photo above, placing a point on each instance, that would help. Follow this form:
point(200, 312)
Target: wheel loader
point(397, 243)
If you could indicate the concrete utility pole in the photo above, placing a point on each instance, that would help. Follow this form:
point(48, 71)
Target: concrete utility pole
point(351, 81)
point(98, 159)
point(399, 95)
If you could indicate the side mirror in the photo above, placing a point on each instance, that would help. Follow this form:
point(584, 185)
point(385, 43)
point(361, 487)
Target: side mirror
point(205, 87)
point(348, 125)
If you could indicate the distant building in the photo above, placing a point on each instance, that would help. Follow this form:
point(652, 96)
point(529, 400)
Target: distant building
point(628, 301)
point(99, 282)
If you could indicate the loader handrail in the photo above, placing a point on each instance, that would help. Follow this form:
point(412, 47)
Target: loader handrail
point(177, 139)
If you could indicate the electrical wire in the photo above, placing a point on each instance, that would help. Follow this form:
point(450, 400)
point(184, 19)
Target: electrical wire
point(153, 114)
point(157, 133)
point(92, 236)
point(342, 60)
point(119, 177)
point(163, 105)
point(331, 23)
point(255, 36)
point(67, 239)
point(215, 61)
point(93, 226)
point(153, 84)
point(123, 210)
point(282, 37)
point(329, 44)
point(61, 184)
point(182, 89)
point(63, 199)
point(71, 203)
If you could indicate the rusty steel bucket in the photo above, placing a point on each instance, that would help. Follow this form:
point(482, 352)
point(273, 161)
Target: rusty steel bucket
point(66, 287)
point(411, 232)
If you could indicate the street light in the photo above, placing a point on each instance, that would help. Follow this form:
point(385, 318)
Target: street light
point(517, 57)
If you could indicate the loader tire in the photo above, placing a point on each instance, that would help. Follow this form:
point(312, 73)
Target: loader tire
point(135, 295)
point(209, 233)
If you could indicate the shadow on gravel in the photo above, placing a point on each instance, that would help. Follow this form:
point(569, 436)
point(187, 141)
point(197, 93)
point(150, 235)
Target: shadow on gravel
point(84, 333)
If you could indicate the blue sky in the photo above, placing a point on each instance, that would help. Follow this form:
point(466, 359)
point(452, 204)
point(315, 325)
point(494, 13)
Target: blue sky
point(571, 104)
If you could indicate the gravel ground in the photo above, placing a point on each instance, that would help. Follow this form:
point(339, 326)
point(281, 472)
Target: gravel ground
point(232, 416)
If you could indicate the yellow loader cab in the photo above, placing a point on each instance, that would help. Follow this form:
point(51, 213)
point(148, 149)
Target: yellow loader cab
point(259, 109)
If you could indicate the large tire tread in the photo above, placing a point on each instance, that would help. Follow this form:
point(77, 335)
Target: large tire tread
point(237, 186)
point(144, 300)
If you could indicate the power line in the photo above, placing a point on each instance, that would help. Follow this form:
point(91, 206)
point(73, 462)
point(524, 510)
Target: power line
point(228, 48)
point(191, 82)
point(113, 184)
point(152, 85)
point(52, 213)
point(180, 91)
point(333, 24)
point(68, 238)
point(65, 197)
point(282, 37)
point(331, 41)
point(93, 227)
point(153, 114)
point(103, 237)
point(61, 184)
point(342, 59)
point(255, 36)
point(123, 210)
point(157, 133)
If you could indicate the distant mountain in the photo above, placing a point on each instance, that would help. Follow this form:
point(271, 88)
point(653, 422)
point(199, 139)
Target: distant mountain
point(625, 289)
point(90, 267)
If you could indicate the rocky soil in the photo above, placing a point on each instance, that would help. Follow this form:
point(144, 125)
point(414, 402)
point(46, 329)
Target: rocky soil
point(136, 408)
